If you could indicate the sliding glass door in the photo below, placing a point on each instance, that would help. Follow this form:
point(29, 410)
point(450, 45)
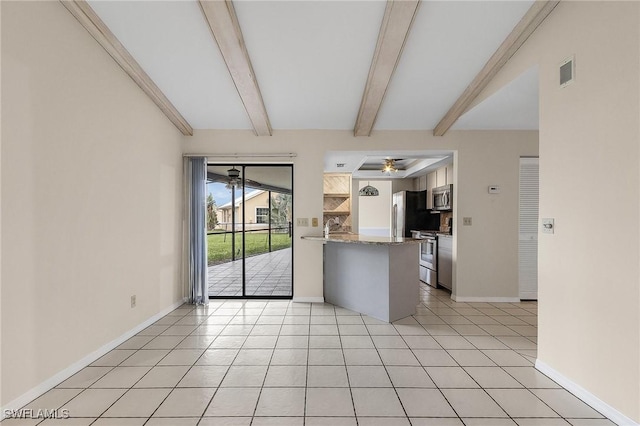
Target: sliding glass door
point(249, 230)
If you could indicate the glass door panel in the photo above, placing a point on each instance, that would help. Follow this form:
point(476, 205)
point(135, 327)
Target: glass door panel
point(224, 231)
point(268, 213)
point(249, 230)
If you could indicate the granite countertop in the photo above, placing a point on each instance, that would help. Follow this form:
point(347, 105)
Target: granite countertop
point(362, 239)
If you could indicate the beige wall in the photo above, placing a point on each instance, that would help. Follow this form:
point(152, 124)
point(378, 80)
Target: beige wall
point(1, 326)
point(589, 290)
point(373, 213)
point(486, 252)
point(91, 196)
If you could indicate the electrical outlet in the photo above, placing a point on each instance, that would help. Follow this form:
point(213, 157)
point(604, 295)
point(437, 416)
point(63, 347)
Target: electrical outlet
point(302, 221)
point(133, 301)
point(314, 222)
point(466, 221)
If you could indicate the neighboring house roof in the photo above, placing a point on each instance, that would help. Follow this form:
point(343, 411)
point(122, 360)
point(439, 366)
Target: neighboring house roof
point(239, 199)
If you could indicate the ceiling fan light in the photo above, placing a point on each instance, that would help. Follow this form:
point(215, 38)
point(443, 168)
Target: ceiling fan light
point(233, 173)
point(389, 166)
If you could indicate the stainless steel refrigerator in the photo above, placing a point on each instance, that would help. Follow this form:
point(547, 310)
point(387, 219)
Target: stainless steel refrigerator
point(409, 212)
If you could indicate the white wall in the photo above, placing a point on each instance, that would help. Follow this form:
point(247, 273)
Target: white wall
point(486, 252)
point(589, 277)
point(91, 198)
point(374, 213)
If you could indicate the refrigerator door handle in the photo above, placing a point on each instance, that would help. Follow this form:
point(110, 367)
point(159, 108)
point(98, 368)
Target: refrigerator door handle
point(394, 227)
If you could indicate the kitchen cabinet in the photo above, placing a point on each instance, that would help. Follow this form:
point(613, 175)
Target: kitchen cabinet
point(354, 277)
point(422, 183)
point(444, 175)
point(445, 261)
point(441, 176)
point(337, 199)
point(431, 183)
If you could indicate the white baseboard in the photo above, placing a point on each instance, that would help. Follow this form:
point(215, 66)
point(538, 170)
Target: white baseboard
point(485, 299)
point(63, 375)
point(590, 399)
point(317, 299)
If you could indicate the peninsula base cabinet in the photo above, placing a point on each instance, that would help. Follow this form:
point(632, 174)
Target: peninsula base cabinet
point(381, 281)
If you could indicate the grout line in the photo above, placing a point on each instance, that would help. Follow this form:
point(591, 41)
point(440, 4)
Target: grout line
point(431, 301)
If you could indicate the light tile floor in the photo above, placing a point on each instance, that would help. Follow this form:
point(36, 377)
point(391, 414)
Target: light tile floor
point(241, 362)
point(267, 274)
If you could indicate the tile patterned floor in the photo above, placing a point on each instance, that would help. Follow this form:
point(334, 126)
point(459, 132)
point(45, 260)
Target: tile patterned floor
point(267, 274)
point(261, 363)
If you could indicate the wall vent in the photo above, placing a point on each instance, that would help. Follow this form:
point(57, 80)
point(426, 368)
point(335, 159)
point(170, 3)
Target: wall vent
point(567, 71)
point(340, 165)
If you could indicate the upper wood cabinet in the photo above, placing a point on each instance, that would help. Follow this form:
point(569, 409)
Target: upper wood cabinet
point(337, 184)
point(337, 199)
point(431, 183)
point(441, 176)
point(444, 175)
point(422, 183)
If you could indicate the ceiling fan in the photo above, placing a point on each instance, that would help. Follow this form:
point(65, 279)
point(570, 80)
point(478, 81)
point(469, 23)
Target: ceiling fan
point(390, 165)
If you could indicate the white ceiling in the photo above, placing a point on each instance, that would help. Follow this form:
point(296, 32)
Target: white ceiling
point(311, 60)
point(517, 102)
point(449, 43)
point(172, 43)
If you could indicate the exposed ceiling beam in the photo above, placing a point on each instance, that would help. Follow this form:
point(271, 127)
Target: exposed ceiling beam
point(520, 33)
point(396, 23)
point(223, 22)
point(103, 35)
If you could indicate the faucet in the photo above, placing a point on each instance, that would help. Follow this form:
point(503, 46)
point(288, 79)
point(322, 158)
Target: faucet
point(327, 226)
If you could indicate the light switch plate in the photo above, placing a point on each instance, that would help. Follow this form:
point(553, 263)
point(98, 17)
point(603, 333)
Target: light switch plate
point(302, 221)
point(548, 226)
point(314, 222)
point(466, 221)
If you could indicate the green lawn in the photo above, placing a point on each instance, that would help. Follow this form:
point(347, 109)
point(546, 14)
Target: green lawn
point(219, 245)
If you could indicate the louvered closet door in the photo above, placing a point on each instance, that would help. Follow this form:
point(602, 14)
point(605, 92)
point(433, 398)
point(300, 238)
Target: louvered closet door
point(528, 232)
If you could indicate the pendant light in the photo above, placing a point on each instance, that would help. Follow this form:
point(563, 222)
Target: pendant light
point(369, 191)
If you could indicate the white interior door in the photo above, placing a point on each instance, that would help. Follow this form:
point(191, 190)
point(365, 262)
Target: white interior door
point(528, 229)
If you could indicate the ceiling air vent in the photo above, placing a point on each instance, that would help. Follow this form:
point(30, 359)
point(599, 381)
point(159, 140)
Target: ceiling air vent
point(567, 71)
point(339, 165)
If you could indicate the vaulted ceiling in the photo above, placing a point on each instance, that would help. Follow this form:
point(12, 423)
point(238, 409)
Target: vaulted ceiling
point(359, 65)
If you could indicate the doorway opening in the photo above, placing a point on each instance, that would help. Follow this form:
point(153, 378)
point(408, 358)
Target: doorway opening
point(249, 230)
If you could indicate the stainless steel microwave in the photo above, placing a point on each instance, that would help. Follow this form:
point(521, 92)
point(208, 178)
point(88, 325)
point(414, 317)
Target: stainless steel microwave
point(443, 198)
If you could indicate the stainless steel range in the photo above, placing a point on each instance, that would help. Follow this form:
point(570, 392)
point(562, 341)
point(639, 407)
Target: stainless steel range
point(428, 257)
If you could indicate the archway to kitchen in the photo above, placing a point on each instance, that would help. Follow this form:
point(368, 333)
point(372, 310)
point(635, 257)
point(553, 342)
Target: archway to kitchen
point(390, 194)
point(249, 230)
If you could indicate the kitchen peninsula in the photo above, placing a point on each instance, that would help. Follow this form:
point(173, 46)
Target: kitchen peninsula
point(376, 276)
